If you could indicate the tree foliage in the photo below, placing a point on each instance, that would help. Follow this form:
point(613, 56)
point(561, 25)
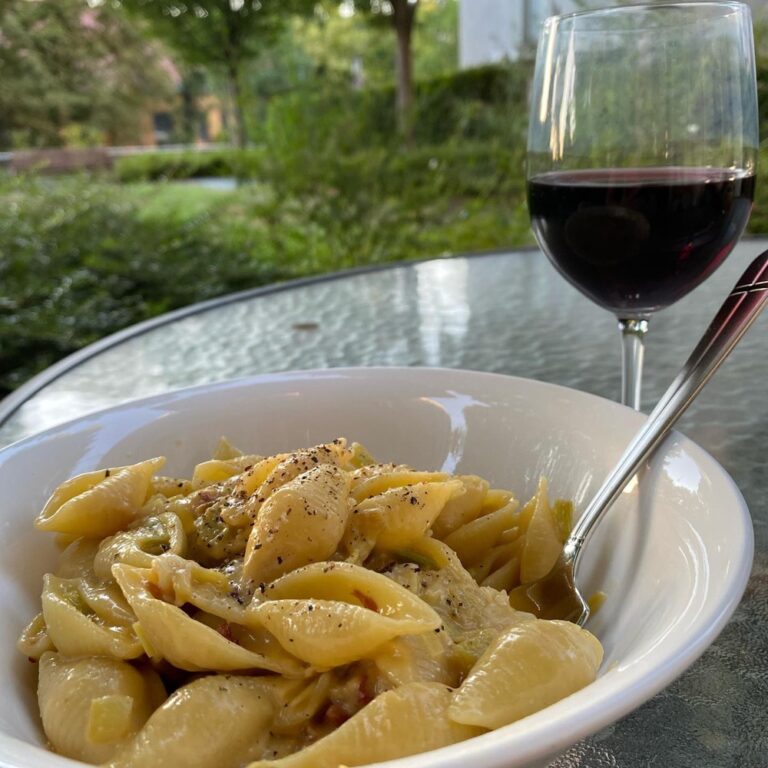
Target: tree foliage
point(402, 18)
point(71, 71)
point(222, 35)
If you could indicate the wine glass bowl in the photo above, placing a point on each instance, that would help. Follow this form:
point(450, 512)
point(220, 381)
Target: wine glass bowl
point(635, 241)
point(642, 151)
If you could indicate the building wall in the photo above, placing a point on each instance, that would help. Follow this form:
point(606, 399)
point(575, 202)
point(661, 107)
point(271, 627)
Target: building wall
point(494, 30)
point(488, 31)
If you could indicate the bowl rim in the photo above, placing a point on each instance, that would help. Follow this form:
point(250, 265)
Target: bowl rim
point(299, 374)
point(553, 730)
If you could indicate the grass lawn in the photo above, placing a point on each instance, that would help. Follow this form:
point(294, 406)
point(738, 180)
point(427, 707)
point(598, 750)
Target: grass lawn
point(174, 201)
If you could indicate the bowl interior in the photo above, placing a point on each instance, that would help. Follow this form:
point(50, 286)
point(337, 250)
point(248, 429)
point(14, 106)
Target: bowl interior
point(672, 556)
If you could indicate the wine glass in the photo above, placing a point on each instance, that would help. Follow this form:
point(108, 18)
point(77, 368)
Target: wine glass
point(642, 149)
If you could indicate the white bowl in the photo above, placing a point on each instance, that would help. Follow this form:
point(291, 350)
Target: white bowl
point(673, 555)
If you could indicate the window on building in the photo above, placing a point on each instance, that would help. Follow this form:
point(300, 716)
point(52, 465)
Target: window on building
point(162, 123)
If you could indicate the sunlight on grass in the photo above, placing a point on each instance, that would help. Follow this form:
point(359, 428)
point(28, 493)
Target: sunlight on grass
point(174, 200)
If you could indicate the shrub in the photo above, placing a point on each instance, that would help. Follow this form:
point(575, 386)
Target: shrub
point(416, 177)
point(158, 166)
point(78, 262)
point(486, 103)
point(758, 221)
point(762, 96)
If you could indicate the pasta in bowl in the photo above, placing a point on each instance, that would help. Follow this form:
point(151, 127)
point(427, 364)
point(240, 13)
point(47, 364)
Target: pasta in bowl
point(654, 554)
point(309, 609)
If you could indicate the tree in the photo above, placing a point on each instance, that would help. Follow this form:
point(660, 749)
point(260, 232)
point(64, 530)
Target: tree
point(436, 38)
point(70, 69)
point(222, 35)
point(401, 16)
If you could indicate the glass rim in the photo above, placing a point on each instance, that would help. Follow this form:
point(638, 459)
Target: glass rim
point(734, 6)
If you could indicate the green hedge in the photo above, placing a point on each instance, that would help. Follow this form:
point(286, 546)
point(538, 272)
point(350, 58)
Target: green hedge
point(160, 166)
point(416, 177)
point(762, 97)
point(457, 169)
point(485, 103)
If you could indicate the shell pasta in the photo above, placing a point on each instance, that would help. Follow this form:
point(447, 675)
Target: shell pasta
point(308, 610)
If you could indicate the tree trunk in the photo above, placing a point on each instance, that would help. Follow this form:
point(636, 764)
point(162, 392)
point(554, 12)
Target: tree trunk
point(188, 112)
point(403, 18)
point(238, 107)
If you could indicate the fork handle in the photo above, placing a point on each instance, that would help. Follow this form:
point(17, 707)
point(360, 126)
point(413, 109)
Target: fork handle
point(738, 312)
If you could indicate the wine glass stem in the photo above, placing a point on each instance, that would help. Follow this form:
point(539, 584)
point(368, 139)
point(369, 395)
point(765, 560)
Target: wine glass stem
point(633, 332)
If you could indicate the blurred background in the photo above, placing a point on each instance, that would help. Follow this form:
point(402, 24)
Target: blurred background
point(154, 153)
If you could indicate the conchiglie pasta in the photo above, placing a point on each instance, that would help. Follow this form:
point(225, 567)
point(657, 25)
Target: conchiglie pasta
point(77, 559)
point(386, 481)
point(397, 517)
point(302, 522)
point(99, 503)
point(329, 634)
point(141, 544)
point(34, 640)
point(107, 601)
point(526, 669)
point(169, 487)
point(366, 471)
point(404, 721)
point(76, 629)
point(543, 540)
point(309, 609)
point(408, 513)
point(340, 613)
point(292, 465)
point(91, 707)
point(353, 584)
point(185, 582)
point(216, 470)
point(252, 478)
point(168, 633)
point(297, 711)
point(424, 658)
point(472, 540)
point(463, 508)
point(219, 721)
point(225, 450)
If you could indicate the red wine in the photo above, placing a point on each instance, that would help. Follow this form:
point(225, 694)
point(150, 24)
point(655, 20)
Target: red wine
point(637, 240)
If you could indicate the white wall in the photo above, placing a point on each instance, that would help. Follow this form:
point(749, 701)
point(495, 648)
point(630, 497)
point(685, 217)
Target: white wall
point(493, 30)
point(488, 31)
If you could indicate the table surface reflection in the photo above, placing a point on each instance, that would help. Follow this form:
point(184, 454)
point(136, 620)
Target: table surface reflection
point(507, 313)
